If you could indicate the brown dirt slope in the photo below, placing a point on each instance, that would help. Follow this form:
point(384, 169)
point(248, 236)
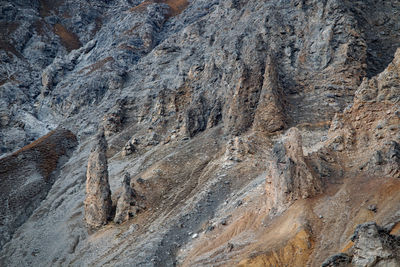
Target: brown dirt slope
point(26, 177)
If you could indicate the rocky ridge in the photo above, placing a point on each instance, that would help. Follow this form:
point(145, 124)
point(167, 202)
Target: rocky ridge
point(201, 117)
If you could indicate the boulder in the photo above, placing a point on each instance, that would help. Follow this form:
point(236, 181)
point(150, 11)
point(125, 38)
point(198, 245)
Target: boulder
point(373, 246)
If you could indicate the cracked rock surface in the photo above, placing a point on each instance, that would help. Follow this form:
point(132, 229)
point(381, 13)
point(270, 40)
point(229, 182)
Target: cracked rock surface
point(249, 128)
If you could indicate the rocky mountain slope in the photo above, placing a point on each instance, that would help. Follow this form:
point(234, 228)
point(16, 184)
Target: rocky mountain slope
point(232, 133)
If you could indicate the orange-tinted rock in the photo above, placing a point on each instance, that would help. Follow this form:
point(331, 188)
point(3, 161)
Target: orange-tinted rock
point(294, 252)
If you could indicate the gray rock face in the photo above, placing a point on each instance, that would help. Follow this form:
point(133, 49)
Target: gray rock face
point(338, 260)
point(142, 52)
point(393, 156)
point(54, 73)
point(290, 176)
point(383, 87)
point(387, 160)
point(164, 73)
point(36, 38)
point(112, 121)
point(128, 149)
point(126, 202)
point(98, 205)
point(373, 246)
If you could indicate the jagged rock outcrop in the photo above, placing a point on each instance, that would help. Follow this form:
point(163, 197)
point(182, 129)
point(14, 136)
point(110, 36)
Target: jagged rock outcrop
point(384, 87)
point(126, 202)
point(270, 113)
point(129, 147)
point(367, 131)
point(246, 94)
point(55, 72)
point(373, 246)
point(290, 177)
point(393, 157)
point(27, 175)
point(112, 122)
point(338, 260)
point(196, 117)
point(205, 103)
point(37, 37)
point(98, 205)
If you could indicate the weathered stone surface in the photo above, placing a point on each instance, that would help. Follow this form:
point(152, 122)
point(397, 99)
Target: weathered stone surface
point(290, 177)
point(317, 63)
point(246, 95)
point(338, 260)
point(112, 122)
point(196, 117)
point(55, 72)
point(383, 87)
point(393, 157)
point(126, 202)
point(373, 246)
point(367, 131)
point(37, 37)
point(128, 149)
point(270, 113)
point(193, 75)
point(98, 205)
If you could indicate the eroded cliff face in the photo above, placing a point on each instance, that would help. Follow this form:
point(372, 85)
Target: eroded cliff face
point(255, 133)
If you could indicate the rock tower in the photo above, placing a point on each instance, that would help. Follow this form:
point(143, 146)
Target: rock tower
point(98, 194)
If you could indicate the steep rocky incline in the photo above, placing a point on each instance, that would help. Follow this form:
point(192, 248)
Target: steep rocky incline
point(254, 133)
point(27, 175)
point(131, 52)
